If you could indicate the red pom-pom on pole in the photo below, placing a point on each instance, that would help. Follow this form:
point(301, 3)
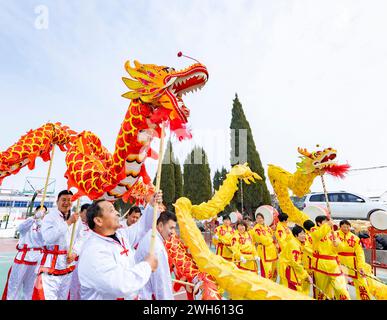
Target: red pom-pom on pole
point(179, 54)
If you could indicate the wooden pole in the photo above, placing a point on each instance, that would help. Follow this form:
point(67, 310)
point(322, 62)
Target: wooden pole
point(247, 260)
point(183, 282)
point(327, 201)
point(326, 194)
point(158, 180)
point(47, 178)
point(366, 275)
point(73, 230)
point(241, 180)
point(127, 211)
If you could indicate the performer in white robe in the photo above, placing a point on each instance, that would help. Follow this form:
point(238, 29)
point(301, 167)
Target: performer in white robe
point(159, 286)
point(134, 213)
point(80, 238)
point(54, 273)
point(107, 268)
point(21, 276)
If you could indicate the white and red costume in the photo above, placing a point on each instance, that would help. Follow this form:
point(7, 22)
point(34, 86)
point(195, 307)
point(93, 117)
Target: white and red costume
point(54, 274)
point(107, 267)
point(159, 286)
point(21, 276)
point(83, 234)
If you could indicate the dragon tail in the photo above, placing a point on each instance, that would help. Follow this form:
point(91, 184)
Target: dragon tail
point(35, 143)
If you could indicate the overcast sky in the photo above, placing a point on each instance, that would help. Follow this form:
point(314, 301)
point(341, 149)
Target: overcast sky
point(306, 72)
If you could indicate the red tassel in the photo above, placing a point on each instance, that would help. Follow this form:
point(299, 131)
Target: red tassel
point(338, 171)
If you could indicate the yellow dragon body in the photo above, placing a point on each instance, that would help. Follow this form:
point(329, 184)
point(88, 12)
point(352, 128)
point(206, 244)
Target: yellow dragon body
point(311, 165)
point(240, 284)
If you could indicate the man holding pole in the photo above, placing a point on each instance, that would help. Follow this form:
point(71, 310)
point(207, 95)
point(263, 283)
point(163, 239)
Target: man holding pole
point(107, 268)
point(56, 267)
point(159, 286)
point(83, 234)
point(132, 217)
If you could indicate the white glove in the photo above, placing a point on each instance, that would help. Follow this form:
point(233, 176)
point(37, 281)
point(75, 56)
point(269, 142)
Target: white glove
point(39, 214)
point(258, 260)
point(216, 237)
point(243, 260)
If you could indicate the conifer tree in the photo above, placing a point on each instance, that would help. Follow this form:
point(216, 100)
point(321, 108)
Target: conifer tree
point(196, 176)
point(178, 179)
point(255, 194)
point(167, 182)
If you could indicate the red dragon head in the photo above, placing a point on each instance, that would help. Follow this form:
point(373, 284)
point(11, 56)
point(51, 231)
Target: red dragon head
point(163, 88)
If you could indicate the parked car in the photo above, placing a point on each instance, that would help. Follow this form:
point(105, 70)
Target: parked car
point(345, 205)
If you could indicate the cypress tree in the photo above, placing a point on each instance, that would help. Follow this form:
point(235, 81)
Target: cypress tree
point(121, 206)
point(197, 179)
point(167, 183)
point(219, 177)
point(215, 181)
point(178, 180)
point(255, 194)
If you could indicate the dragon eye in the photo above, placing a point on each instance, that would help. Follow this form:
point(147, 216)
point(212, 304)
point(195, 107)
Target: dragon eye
point(168, 69)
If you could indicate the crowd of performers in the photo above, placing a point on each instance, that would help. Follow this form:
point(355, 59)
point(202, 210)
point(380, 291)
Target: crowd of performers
point(318, 259)
point(108, 258)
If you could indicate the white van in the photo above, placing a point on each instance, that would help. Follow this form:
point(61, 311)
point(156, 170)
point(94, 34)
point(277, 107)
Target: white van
point(345, 205)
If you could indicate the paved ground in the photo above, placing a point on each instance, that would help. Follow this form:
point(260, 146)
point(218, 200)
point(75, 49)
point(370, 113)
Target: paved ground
point(7, 253)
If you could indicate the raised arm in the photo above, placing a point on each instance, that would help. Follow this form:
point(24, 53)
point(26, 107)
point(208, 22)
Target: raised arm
point(80, 237)
point(318, 233)
point(25, 226)
point(135, 232)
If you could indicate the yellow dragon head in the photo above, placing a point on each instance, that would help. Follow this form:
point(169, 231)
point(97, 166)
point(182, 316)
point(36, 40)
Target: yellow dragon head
point(163, 88)
point(321, 161)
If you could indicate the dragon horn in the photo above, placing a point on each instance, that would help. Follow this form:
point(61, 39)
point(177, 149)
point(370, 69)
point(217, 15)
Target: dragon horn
point(134, 73)
point(131, 84)
point(304, 152)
